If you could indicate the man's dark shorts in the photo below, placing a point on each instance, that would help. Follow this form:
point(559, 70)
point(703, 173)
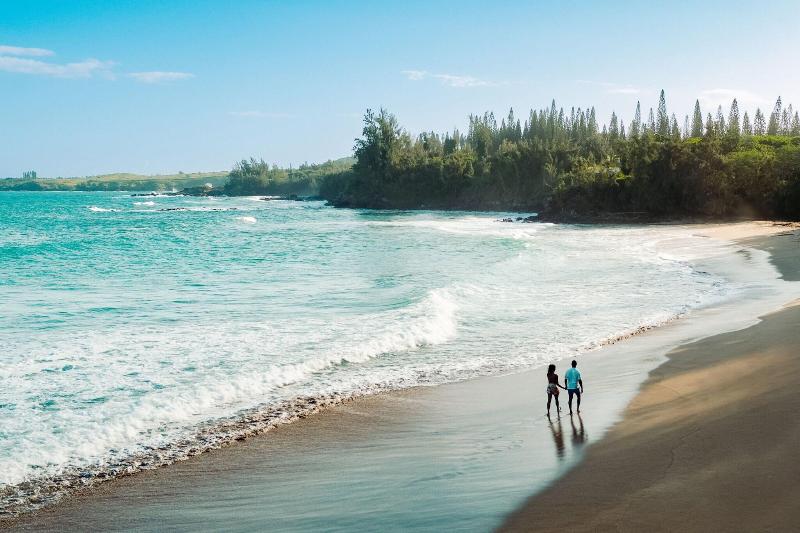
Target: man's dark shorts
point(574, 391)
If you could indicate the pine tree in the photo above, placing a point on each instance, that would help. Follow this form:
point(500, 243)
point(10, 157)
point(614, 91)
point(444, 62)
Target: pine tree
point(613, 127)
point(622, 130)
point(747, 128)
point(675, 130)
point(636, 123)
point(663, 119)
point(697, 120)
point(796, 124)
point(759, 124)
point(592, 122)
point(786, 121)
point(733, 119)
point(719, 126)
point(710, 128)
point(651, 122)
point(775, 119)
point(686, 130)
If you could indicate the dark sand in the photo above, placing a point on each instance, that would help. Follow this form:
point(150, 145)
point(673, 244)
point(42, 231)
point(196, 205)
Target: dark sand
point(711, 443)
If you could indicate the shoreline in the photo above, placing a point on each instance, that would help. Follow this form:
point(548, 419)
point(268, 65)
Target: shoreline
point(709, 442)
point(351, 411)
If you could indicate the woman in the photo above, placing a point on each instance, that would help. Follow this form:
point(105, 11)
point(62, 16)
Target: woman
point(552, 387)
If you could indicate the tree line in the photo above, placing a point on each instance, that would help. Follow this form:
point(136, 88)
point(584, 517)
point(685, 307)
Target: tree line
point(255, 177)
point(567, 165)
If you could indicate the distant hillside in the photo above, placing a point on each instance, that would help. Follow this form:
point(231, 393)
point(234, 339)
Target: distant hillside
point(117, 182)
point(248, 177)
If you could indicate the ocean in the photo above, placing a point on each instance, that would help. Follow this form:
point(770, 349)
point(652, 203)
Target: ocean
point(136, 331)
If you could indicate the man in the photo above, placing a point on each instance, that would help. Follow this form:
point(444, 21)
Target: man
point(572, 378)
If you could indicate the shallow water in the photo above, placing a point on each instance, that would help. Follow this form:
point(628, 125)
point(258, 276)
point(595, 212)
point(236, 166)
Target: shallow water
point(137, 330)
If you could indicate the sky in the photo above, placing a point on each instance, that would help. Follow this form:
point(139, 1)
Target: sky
point(93, 87)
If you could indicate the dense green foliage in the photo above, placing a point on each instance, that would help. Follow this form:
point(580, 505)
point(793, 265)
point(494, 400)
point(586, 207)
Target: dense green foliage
point(254, 177)
point(114, 182)
point(568, 166)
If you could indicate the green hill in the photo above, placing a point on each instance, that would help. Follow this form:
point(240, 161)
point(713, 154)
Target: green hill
point(121, 181)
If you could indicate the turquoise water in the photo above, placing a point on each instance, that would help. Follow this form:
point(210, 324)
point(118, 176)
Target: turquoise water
point(139, 330)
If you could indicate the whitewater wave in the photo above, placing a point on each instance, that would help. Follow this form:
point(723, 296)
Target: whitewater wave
point(95, 209)
point(247, 220)
point(148, 203)
point(170, 425)
point(475, 226)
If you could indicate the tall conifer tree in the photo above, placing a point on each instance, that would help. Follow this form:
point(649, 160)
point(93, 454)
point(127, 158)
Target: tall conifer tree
point(636, 123)
point(775, 119)
point(733, 119)
point(719, 126)
point(675, 130)
point(759, 124)
point(613, 127)
point(592, 122)
point(651, 122)
point(697, 120)
point(710, 128)
point(786, 121)
point(747, 128)
point(662, 123)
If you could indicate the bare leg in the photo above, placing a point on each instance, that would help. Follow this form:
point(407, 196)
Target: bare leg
point(549, 398)
point(579, 402)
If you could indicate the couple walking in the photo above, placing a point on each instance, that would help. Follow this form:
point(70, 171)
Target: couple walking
point(572, 380)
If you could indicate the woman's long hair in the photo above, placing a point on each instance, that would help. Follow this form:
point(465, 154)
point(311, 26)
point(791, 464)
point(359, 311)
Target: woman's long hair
point(551, 369)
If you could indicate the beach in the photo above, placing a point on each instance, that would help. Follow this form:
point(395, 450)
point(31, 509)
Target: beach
point(467, 455)
point(710, 443)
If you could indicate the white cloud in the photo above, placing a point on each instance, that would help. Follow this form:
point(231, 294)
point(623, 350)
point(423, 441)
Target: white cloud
point(259, 114)
point(612, 87)
point(81, 69)
point(6, 50)
point(157, 76)
point(723, 97)
point(415, 75)
point(451, 80)
point(21, 60)
point(624, 90)
point(463, 81)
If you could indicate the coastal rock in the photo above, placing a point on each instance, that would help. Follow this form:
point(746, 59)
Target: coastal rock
point(528, 219)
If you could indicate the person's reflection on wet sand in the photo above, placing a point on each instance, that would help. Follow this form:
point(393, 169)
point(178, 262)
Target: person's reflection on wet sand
point(578, 433)
point(558, 436)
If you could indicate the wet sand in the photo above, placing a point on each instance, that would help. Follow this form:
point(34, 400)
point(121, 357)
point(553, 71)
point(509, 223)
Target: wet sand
point(460, 456)
point(711, 443)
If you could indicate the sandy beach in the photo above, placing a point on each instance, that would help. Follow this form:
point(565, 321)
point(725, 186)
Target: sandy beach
point(709, 441)
point(709, 444)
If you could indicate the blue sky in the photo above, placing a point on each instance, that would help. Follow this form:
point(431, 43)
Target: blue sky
point(166, 86)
